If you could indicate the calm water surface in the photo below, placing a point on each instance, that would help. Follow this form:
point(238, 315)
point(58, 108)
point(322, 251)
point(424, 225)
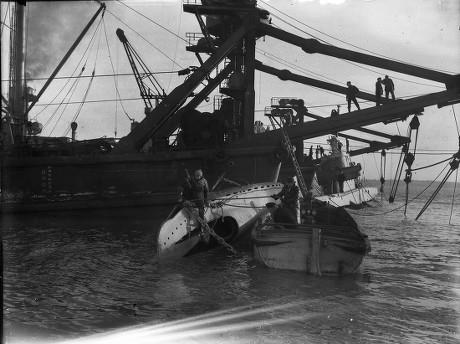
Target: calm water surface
point(91, 277)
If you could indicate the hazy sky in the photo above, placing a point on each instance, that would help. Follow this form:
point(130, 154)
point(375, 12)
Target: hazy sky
point(421, 32)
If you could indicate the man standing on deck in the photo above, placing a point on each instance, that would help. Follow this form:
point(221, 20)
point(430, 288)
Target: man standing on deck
point(200, 191)
point(389, 87)
point(341, 180)
point(289, 196)
point(378, 91)
point(351, 94)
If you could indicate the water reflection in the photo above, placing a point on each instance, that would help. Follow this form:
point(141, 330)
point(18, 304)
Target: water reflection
point(81, 275)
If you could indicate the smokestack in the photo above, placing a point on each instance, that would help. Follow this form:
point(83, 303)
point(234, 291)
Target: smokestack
point(73, 126)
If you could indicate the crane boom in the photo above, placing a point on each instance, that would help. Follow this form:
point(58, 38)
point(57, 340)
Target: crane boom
point(312, 46)
point(155, 92)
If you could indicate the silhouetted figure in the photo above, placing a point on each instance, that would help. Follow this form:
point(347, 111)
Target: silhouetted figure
point(378, 91)
point(341, 180)
point(200, 190)
point(317, 152)
point(351, 94)
point(321, 151)
point(310, 154)
point(389, 87)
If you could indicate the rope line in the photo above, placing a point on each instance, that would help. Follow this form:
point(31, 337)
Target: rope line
point(455, 118)
point(437, 163)
point(453, 197)
point(114, 77)
point(397, 208)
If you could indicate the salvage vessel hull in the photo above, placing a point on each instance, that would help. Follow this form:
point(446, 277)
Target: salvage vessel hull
point(232, 213)
point(105, 180)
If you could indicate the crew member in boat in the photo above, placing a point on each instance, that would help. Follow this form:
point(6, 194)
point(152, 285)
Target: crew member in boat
point(280, 215)
point(289, 196)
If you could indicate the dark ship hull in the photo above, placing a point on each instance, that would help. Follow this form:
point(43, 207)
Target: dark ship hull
point(103, 180)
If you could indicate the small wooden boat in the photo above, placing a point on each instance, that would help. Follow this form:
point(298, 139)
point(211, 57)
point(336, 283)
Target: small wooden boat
point(231, 213)
point(331, 243)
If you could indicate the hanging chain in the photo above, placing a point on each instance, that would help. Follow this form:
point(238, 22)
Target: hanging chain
point(206, 227)
point(408, 159)
point(383, 166)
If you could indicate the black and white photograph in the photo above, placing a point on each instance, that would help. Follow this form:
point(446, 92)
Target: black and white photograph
point(230, 171)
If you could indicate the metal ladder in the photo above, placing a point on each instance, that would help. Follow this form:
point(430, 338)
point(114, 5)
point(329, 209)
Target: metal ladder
point(288, 145)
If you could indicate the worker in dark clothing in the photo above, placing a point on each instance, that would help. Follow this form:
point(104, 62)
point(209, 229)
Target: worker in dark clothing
point(199, 193)
point(187, 193)
point(341, 180)
point(389, 87)
point(378, 91)
point(200, 189)
point(280, 214)
point(289, 196)
point(352, 92)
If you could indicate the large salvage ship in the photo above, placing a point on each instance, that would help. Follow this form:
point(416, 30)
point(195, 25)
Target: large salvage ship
point(145, 166)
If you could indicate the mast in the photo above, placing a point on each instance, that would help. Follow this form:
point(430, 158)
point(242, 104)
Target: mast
point(17, 104)
point(65, 58)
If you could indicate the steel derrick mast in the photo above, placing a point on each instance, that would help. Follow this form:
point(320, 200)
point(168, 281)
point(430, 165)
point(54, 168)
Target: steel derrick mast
point(141, 73)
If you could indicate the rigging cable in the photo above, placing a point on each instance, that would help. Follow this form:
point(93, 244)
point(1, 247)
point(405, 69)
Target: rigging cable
point(114, 74)
point(67, 82)
point(115, 129)
point(342, 41)
point(175, 49)
point(74, 119)
point(455, 118)
point(410, 157)
point(156, 48)
point(398, 173)
point(453, 197)
point(88, 50)
point(456, 174)
point(383, 167)
point(397, 208)
point(69, 94)
point(453, 166)
point(4, 19)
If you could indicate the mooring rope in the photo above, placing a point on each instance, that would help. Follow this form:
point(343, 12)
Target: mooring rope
point(397, 208)
point(453, 166)
point(453, 196)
